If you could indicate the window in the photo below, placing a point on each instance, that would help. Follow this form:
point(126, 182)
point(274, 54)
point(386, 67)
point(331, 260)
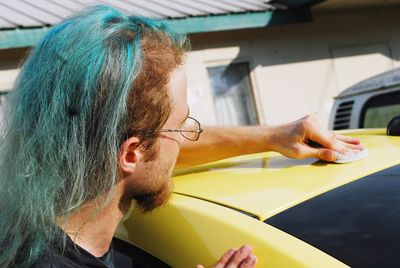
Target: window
point(232, 94)
point(379, 110)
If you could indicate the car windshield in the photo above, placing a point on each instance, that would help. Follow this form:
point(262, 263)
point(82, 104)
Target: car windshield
point(356, 223)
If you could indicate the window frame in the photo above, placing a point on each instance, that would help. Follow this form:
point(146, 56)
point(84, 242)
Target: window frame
point(255, 95)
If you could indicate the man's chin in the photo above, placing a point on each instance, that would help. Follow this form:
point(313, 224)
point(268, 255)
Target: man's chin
point(151, 201)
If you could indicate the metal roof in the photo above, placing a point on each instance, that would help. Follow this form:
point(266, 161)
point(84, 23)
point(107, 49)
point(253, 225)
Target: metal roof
point(384, 80)
point(24, 22)
point(43, 13)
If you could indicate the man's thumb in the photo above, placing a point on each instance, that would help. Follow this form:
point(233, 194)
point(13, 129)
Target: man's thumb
point(326, 154)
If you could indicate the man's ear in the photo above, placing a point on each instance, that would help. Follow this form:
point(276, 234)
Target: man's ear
point(129, 155)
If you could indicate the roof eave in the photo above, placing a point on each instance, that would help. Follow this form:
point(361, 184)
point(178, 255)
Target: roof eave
point(28, 37)
point(237, 21)
point(299, 3)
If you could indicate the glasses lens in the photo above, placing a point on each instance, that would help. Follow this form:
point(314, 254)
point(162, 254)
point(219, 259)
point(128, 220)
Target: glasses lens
point(191, 128)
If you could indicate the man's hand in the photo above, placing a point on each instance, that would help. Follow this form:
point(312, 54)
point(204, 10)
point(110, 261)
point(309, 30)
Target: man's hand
point(236, 258)
point(294, 140)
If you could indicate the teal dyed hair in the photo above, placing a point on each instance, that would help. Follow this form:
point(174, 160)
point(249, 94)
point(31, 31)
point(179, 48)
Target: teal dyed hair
point(78, 96)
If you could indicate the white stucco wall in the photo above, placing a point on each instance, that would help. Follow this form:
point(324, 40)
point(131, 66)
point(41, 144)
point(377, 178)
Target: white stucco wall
point(7, 77)
point(298, 69)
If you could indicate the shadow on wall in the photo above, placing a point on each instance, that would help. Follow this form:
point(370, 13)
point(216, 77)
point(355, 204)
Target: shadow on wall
point(296, 51)
point(294, 36)
point(351, 63)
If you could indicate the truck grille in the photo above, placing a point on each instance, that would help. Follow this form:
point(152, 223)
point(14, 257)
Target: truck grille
point(343, 115)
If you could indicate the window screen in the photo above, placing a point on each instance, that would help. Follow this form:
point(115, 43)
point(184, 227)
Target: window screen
point(232, 94)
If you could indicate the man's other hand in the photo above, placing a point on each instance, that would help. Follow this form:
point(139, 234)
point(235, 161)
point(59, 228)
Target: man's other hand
point(299, 139)
point(236, 258)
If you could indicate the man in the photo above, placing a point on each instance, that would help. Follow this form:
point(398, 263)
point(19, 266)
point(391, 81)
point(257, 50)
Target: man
point(98, 117)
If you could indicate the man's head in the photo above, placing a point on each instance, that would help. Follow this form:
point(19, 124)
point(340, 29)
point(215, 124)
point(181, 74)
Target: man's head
point(91, 95)
point(148, 182)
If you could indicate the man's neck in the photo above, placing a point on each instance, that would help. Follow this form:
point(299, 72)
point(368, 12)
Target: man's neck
point(91, 228)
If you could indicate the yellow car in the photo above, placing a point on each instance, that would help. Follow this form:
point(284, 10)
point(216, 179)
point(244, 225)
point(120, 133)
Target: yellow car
point(294, 213)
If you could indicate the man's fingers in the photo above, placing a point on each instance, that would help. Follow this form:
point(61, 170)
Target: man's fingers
point(225, 258)
point(348, 139)
point(332, 140)
point(351, 146)
point(339, 143)
point(233, 258)
point(239, 257)
point(249, 262)
point(307, 139)
point(345, 147)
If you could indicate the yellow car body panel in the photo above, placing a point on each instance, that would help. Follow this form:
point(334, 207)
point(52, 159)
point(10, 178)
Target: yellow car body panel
point(207, 214)
point(179, 235)
point(265, 184)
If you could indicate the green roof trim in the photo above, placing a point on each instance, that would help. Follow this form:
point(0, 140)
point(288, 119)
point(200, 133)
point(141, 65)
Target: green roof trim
point(21, 37)
point(221, 22)
point(238, 21)
point(29, 37)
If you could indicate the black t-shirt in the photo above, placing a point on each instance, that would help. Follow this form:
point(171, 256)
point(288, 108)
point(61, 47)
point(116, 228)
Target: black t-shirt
point(120, 255)
point(74, 256)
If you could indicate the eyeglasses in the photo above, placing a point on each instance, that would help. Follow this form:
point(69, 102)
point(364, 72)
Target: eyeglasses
point(190, 130)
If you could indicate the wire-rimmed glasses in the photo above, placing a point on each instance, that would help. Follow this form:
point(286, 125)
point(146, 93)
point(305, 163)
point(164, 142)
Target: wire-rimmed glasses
point(190, 130)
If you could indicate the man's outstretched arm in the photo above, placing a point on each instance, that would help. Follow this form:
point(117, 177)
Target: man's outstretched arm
point(290, 139)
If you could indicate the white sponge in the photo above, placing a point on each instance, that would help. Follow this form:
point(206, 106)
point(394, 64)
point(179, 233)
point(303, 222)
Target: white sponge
point(351, 157)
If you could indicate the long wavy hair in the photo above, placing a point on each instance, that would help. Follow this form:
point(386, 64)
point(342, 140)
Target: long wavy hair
point(93, 80)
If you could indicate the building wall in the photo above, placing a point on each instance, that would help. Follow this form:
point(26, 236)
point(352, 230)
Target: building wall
point(295, 69)
point(298, 69)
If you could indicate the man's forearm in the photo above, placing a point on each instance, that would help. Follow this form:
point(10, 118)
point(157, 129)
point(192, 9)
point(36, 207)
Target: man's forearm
point(221, 142)
point(292, 140)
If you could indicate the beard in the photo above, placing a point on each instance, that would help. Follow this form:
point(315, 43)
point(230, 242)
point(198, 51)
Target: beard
point(151, 201)
point(152, 186)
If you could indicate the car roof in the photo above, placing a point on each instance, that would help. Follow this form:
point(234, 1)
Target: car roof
point(265, 184)
point(381, 81)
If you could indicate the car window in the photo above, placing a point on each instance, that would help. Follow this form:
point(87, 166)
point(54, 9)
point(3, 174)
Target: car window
point(379, 110)
point(127, 255)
